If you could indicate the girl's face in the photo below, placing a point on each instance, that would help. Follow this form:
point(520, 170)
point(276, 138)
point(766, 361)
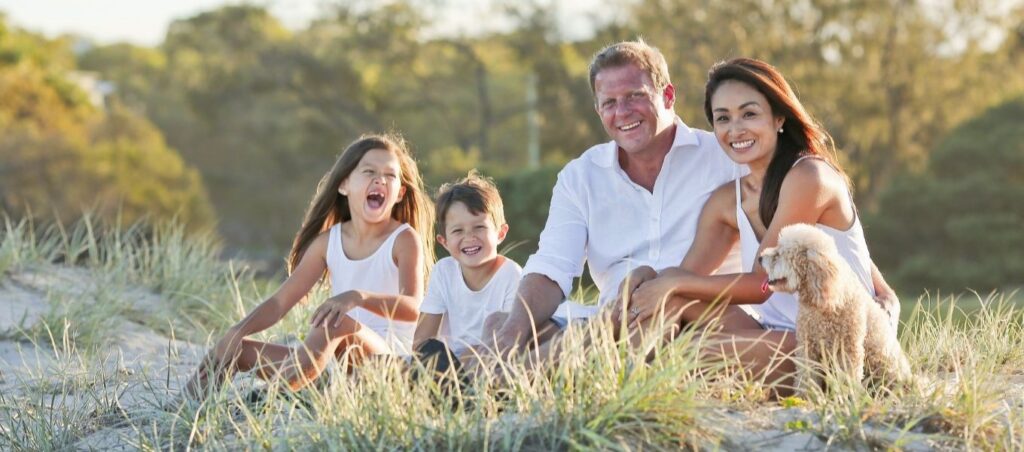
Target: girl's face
point(744, 124)
point(374, 186)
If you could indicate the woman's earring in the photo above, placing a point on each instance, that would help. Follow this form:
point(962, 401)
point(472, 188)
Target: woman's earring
point(780, 129)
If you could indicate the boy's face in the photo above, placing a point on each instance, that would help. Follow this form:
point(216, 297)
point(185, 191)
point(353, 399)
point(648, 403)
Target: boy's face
point(472, 239)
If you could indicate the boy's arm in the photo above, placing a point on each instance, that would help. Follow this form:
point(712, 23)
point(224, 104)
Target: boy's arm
point(427, 327)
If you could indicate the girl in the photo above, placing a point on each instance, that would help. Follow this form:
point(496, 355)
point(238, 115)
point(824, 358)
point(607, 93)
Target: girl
point(370, 229)
point(793, 178)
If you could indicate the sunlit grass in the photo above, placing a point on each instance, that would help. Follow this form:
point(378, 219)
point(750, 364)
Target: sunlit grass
point(967, 353)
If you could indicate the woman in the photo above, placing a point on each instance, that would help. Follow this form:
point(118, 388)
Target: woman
point(794, 178)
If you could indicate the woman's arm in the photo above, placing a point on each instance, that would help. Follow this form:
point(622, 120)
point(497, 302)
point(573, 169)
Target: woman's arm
point(809, 190)
point(716, 234)
point(404, 306)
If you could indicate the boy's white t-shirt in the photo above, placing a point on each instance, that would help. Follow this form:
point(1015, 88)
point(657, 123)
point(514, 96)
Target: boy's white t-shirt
point(467, 310)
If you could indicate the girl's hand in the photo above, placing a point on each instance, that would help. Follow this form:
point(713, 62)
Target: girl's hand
point(650, 297)
point(333, 310)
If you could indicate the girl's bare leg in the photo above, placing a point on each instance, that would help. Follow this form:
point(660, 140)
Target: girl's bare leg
point(297, 365)
point(301, 365)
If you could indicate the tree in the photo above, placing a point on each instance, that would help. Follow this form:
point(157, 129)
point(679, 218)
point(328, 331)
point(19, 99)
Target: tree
point(957, 224)
point(60, 154)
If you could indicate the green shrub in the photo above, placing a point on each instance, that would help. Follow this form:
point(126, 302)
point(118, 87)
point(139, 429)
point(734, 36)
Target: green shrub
point(957, 224)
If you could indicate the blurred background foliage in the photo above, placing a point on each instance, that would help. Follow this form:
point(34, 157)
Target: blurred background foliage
point(232, 119)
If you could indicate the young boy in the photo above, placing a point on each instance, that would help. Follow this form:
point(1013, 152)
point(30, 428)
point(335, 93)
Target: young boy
point(475, 281)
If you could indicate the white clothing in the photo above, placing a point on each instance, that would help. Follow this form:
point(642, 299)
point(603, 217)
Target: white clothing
point(599, 215)
point(465, 309)
point(778, 312)
point(376, 273)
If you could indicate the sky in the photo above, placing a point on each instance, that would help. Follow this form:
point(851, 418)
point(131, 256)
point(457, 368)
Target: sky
point(145, 22)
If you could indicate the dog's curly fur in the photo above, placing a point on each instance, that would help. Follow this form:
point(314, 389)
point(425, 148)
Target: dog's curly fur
point(836, 318)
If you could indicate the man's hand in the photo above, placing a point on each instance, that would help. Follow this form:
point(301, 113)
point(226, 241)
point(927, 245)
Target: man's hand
point(330, 313)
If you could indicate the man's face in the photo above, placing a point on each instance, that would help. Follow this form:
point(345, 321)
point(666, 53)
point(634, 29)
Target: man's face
point(632, 112)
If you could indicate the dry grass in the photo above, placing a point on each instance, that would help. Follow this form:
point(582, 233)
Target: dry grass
point(76, 385)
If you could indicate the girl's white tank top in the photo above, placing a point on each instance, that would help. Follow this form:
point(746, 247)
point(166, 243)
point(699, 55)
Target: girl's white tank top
point(375, 273)
point(779, 310)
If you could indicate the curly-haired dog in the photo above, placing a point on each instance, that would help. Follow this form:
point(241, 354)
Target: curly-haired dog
point(836, 318)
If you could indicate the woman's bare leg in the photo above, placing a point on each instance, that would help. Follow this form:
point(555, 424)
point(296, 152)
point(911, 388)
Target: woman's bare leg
point(700, 315)
point(763, 354)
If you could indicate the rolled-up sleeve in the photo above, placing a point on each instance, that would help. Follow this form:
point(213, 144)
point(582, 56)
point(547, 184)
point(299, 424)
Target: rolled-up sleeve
point(563, 242)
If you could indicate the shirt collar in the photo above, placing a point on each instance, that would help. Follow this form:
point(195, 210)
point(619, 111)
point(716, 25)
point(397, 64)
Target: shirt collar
point(608, 155)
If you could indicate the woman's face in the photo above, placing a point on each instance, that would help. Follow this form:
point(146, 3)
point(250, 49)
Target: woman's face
point(744, 123)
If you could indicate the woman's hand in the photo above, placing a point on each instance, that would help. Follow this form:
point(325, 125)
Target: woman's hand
point(635, 278)
point(891, 305)
point(629, 284)
point(334, 309)
point(648, 299)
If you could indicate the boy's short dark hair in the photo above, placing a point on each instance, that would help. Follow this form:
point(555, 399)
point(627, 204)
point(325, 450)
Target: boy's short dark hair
point(476, 192)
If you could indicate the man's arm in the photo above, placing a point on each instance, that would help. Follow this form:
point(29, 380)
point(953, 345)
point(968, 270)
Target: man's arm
point(548, 274)
point(538, 298)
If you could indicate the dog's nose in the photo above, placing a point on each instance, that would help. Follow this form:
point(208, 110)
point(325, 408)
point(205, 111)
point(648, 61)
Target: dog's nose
point(760, 260)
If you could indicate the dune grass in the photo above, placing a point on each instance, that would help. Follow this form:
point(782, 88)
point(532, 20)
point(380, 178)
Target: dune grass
point(968, 356)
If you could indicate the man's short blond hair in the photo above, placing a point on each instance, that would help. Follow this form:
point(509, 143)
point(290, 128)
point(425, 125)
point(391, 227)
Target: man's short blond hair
point(644, 56)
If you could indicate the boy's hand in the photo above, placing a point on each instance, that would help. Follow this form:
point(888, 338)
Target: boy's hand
point(333, 310)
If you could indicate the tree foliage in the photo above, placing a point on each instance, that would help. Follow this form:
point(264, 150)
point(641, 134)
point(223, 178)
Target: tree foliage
point(262, 111)
point(958, 223)
point(61, 154)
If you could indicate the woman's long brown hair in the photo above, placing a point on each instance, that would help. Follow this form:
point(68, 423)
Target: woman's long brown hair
point(801, 133)
point(329, 207)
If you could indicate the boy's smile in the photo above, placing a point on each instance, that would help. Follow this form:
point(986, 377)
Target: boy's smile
point(471, 239)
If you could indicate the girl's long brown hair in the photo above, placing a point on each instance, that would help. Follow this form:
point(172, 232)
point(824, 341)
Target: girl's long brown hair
point(801, 133)
point(329, 207)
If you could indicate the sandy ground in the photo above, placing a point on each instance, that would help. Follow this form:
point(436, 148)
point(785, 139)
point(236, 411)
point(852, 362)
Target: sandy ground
point(139, 372)
point(143, 370)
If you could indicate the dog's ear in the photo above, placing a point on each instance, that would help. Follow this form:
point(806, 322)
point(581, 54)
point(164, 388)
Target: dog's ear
point(819, 276)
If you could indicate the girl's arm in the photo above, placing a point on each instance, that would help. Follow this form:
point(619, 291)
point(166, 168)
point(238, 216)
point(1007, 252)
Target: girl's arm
point(404, 306)
point(427, 327)
point(310, 269)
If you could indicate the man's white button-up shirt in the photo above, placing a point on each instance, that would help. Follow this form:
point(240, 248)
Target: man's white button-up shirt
point(600, 216)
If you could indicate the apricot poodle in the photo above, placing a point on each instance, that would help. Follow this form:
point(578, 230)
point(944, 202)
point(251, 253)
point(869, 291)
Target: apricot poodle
point(838, 323)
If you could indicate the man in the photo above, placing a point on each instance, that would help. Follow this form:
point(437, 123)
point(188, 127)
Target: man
point(629, 202)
